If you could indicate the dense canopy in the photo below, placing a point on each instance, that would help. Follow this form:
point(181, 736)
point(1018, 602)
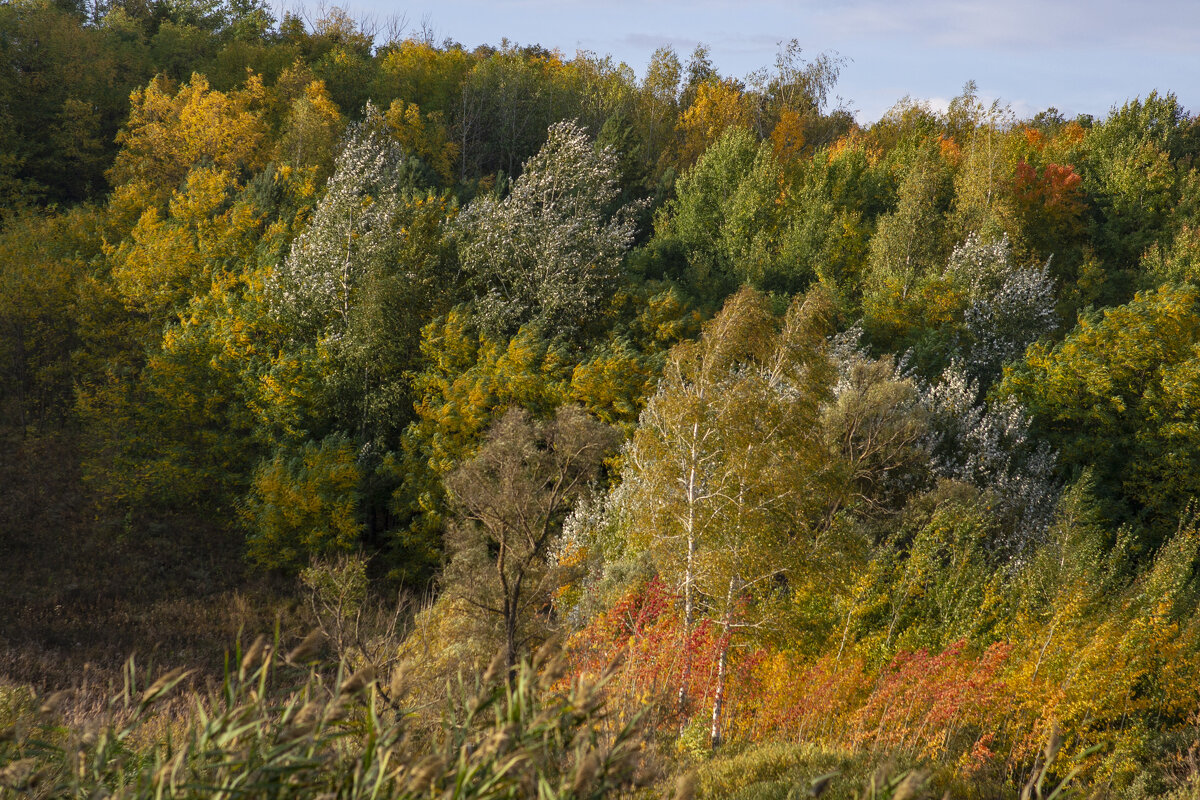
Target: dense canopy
point(827, 445)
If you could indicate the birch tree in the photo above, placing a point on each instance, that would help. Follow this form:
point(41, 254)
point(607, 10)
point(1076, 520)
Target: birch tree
point(723, 478)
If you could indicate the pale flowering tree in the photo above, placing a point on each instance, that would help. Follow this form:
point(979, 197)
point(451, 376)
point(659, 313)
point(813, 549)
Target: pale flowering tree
point(349, 234)
point(899, 435)
point(992, 448)
point(1006, 321)
point(360, 280)
point(980, 265)
point(550, 251)
point(1011, 307)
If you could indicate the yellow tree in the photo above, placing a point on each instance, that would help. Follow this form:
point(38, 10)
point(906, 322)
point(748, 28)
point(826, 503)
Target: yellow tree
point(415, 71)
point(167, 134)
point(311, 133)
point(719, 105)
point(424, 135)
point(167, 260)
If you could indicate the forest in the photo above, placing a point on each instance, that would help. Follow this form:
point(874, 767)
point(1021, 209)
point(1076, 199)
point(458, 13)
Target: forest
point(381, 417)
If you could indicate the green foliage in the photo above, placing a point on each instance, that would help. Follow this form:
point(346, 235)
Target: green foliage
point(728, 218)
point(311, 133)
point(64, 93)
point(262, 311)
point(1130, 168)
point(471, 379)
point(1176, 263)
point(509, 100)
point(42, 263)
point(944, 577)
point(907, 302)
point(1116, 395)
point(832, 205)
point(877, 430)
point(304, 504)
point(727, 484)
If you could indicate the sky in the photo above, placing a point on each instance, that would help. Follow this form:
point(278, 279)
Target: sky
point(1080, 57)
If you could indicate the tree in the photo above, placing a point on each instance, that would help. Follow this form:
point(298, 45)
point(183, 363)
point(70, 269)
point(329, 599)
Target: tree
point(1119, 395)
point(994, 448)
point(658, 107)
point(1131, 169)
point(877, 431)
point(350, 233)
point(42, 263)
point(1001, 325)
point(372, 266)
point(790, 101)
point(718, 106)
point(725, 480)
point(907, 302)
point(549, 252)
point(169, 259)
point(304, 504)
point(909, 242)
point(1010, 307)
point(424, 135)
point(833, 201)
point(510, 501)
point(983, 145)
point(64, 91)
point(414, 71)
point(311, 133)
point(507, 102)
point(728, 216)
point(167, 135)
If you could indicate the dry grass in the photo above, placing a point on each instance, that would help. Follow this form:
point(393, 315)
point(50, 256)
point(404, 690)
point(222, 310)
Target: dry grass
point(83, 588)
point(291, 726)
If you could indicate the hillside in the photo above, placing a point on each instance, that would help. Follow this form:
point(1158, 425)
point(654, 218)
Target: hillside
point(422, 417)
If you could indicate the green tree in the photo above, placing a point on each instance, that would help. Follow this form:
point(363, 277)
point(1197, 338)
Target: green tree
point(509, 100)
point(304, 504)
point(1118, 395)
point(658, 107)
point(907, 302)
point(43, 260)
point(791, 100)
point(729, 217)
point(1131, 171)
point(64, 92)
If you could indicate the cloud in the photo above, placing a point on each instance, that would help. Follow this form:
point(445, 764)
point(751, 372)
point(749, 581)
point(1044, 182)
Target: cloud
point(649, 42)
point(1020, 25)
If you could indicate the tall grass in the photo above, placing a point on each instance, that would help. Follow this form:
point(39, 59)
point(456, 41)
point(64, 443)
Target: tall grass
point(284, 725)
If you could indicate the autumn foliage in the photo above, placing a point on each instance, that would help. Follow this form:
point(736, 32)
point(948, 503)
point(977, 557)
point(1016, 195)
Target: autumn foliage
point(810, 444)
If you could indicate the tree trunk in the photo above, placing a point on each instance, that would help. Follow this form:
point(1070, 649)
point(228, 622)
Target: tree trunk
point(719, 697)
point(689, 605)
point(688, 612)
point(510, 643)
point(722, 667)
